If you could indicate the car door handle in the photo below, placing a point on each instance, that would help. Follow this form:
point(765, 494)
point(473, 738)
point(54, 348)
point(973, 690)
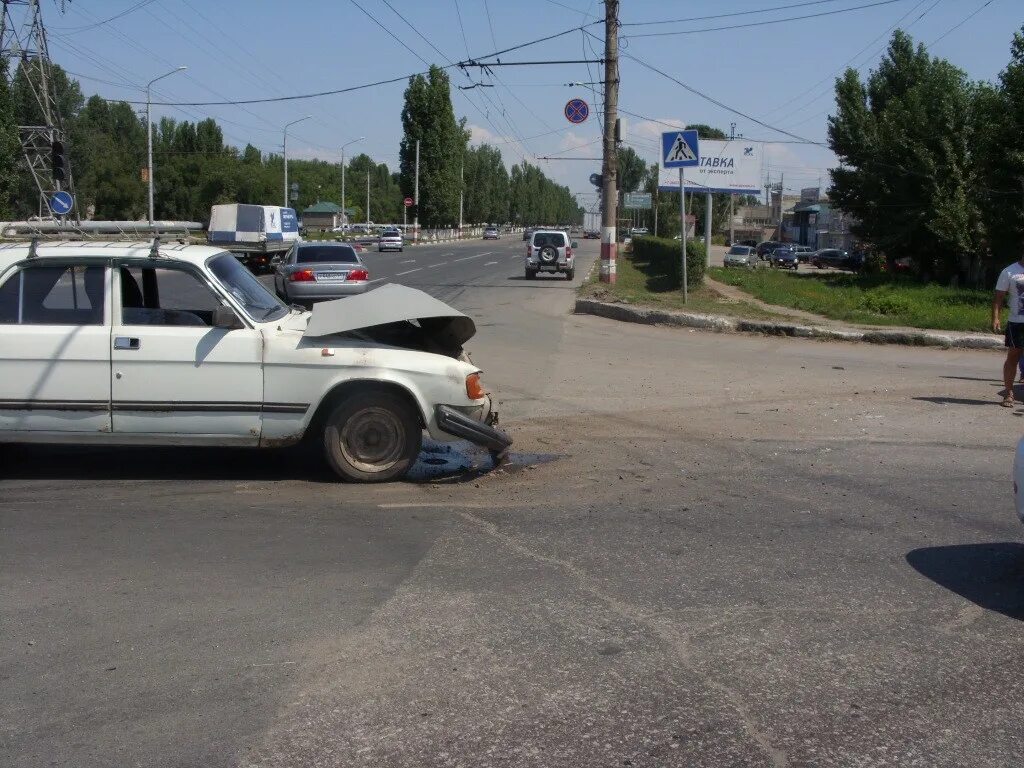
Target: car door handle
point(126, 342)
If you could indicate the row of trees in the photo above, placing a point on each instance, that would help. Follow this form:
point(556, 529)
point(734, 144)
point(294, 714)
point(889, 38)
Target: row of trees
point(933, 163)
point(195, 168)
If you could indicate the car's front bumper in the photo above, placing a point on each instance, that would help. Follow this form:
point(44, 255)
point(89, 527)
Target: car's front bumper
point(459, 423)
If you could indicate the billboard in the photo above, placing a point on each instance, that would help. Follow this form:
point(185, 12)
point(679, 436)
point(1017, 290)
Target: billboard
point(810, 194)
point(636, 200)
point(731, 165)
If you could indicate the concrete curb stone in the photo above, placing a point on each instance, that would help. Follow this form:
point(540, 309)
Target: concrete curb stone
point(719, 324)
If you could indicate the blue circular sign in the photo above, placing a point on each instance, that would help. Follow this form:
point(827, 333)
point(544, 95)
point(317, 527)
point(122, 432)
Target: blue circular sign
point(61, 203)
point(577, 111)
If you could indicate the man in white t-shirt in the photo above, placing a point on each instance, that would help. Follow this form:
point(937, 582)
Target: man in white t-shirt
point(1010, 284)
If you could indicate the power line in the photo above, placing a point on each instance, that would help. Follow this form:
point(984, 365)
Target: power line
point(957, 26)
point(76, 30)
point(490, 23)
point(458, 13)
point(726, 15)
point(767, 22)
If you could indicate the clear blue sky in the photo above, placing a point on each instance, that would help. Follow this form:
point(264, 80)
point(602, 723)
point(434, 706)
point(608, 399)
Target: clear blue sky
point(780, 73)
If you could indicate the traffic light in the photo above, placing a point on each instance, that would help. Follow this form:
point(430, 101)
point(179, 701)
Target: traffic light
point(59, 161)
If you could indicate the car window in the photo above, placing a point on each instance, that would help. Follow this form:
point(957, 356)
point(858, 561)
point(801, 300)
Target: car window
point(54, 294)
point(259, 303)
point(544, 239)
point(391, 233)
point(738, 250)
point(326, 254)
point(165, 296)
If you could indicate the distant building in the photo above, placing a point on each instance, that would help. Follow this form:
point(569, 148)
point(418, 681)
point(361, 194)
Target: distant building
point(323, 215)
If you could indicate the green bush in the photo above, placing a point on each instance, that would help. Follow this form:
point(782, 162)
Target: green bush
point(719, 240)
point(874, 264)
point(663, 255)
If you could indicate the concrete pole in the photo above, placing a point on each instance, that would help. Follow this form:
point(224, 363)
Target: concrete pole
point(416, 197)
point(344, 216)
point(707, 228)
point(149, 134)
point(732, 233)
point(367, 201)
point(462, 188)
point(609, 165)
point(285, 151)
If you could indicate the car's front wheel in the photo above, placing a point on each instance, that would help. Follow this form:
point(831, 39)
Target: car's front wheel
point(372, 437)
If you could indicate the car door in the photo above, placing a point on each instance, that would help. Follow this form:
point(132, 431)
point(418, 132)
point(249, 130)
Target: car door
point(173, 372)
point(55, 347)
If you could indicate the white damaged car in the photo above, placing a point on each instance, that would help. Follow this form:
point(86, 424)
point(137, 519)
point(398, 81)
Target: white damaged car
point(147, 344)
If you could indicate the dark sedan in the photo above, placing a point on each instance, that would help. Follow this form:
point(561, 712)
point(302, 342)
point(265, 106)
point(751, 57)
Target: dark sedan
point(765, 249)
point(837, 259)
point(785, 258)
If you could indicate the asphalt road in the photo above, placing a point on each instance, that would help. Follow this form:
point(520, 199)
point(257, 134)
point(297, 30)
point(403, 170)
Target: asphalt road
point(713, 550)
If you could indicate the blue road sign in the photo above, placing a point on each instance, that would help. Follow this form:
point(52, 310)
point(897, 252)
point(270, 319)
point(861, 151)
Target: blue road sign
point(61, 203)
point(679, 149)
point(577, 111)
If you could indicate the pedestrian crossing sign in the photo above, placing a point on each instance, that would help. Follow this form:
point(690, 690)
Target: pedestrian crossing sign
point(679, 149)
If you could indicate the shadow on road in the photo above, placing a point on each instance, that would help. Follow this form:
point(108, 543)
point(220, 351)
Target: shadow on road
point(956, 401)
point(437, 463)
point(989, 575)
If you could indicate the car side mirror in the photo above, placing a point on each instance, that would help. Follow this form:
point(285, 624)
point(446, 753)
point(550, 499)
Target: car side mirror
point(575, 244)
point(225, 317)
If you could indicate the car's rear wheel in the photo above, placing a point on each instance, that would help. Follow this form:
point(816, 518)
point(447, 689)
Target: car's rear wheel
point(531, 274)
point(372, 437)
point(570, 274)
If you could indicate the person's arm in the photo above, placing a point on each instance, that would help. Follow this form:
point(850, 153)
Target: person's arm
point(997, 308)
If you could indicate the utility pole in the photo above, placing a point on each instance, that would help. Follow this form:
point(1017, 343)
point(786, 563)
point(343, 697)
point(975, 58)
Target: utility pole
point(732, 195)
point(149, 141)
point(782, 178)
point(367, 200)
point(416, 197)
point(462, 188)
point(285, 149)
point(609, 160)
point(344, 216)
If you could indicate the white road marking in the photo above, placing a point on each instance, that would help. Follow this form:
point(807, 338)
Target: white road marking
point(408, 261)
point(384, 278)
point(438, 264)
point(407, 272)
point(494, 262)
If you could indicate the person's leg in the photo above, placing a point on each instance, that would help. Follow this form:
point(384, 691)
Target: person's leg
point(1013, 358)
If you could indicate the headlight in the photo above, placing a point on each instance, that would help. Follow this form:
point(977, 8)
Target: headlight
point(474, 387)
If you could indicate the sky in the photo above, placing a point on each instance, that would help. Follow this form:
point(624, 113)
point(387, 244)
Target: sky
point(780, 74)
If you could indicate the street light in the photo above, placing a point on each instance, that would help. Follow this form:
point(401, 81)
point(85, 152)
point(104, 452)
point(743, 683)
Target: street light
point(344, 216)
point(149, 135)
point(286, 127)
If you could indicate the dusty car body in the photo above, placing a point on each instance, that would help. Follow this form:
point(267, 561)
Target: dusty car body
point(139, 344)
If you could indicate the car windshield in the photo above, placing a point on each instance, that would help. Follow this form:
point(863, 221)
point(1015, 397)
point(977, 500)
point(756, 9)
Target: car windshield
point(326, 254)
point(259, 303)
point(544, 239)
point(391, 233)
point(739, 250)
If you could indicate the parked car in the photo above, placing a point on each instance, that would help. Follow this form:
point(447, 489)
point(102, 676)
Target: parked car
point(527, 233)
point(491, 233)
point(318, 271)
point(837, 259)
point(591, 234)
point(785, 258)
point(803, 253)
point(181, 345)
point(751, 243)
point(390, 240)
point(740, 256)
point(765, 249)
point(638, 231)
point(550, 251)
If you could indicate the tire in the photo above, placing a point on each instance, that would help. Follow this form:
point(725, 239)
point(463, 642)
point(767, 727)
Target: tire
point(372, 437)
point(531, 274)
point(570, 273)
point(548, 254)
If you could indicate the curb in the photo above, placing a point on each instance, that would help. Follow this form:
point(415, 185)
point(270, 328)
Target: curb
point(719, 324)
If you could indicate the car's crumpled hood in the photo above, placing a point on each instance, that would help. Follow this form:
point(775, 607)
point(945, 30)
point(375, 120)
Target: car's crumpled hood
point(391, 304)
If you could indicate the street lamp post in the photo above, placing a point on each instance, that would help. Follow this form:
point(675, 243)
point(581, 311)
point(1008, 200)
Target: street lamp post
point(149, 135)
point(344, 216)
point(285, 147)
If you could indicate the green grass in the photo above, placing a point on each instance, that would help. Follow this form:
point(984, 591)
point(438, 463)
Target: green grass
point(638, 284)
point(867, 299)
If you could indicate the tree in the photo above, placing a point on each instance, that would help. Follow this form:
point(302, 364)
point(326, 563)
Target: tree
point(906, 169)
point(998, 124)
point(10, 144)
point(428, 117)
point(631, 169)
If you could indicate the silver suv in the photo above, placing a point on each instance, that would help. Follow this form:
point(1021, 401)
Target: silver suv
point(550, 250)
